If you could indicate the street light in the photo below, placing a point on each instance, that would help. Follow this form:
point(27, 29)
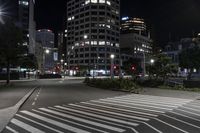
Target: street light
point(152, 61)
point(112, 57)
point(47, 51)
point(144, 65)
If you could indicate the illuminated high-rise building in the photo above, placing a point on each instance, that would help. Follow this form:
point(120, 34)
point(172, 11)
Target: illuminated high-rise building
point(93, 33)
point(133, 25)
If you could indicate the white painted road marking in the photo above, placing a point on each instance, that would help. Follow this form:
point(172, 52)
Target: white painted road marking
point(59, 124)
point(118, 114)
point(99, 116)
point(84, 120)
point(26, 126)
point(11, 130)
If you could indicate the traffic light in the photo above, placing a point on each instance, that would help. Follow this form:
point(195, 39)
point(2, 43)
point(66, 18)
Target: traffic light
point(115, 67)
point(77, 68)
point(133, 68)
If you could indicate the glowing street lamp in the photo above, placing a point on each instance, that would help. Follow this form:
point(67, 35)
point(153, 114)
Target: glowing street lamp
point(112, 57)
point(47, 51)
point(152, 61)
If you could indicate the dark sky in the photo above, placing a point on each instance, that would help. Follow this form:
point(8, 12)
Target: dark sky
point(178, 18)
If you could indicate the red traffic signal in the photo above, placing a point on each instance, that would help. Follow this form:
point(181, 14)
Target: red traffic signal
point(77, 68)
point(133, 68)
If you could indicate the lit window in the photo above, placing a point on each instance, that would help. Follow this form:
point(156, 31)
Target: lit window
point(69, 19)
point(25, 3)
point(117, 45)
point(76, 44)
point(102, 1)
point(102, 43)
point(108, 43)
point(93, 42)
point(108, 2)
point(87, 2)
point(108, 26)
point(87, 43)
point(93, 1)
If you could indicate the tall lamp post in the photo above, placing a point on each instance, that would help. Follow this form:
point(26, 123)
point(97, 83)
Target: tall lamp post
point(46, 52)
point(112, 57)
point(144, 64)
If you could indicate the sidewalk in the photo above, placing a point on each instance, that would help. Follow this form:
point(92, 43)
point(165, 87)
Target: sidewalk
point(171, 93)
point(21, 80)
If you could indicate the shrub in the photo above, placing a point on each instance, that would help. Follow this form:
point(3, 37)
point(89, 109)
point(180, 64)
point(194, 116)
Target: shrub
point(150, 83)
point(113, 84)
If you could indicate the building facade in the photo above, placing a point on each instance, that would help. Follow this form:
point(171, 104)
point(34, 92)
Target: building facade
point(133, 25)
point(134, 40)
point(22, 12)
point(45, 37)
point(93, 33)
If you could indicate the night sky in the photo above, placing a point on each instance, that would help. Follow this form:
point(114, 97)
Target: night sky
point(166, 18)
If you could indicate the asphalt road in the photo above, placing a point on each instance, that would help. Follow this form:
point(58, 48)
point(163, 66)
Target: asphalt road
point(64, 106)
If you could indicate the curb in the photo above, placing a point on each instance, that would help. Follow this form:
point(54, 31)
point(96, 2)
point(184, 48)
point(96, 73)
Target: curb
point(8, 113)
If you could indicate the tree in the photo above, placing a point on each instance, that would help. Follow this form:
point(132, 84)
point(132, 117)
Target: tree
point(162, 67)
point(10, 45)
point(29, 62)
point(189, 59)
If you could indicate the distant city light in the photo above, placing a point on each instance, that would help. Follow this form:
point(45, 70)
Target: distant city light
point(125, 18)
point(85, 36)
point(47, 51)
point(112, 56)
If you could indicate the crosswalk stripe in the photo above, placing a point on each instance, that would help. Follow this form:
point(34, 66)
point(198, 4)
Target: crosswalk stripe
point(164, 98)
point(53, 122)
point(113, 113)
point(184, 115)
point(39, 124)
point(65, 120)
point(100, 120)
point(11, 130)
point(188, 112)
point(84, 120)
point(193, 106)
point(181, 121)
point(163, 102)
point(141, 105)
point(124, 110)
point(145, 102)
point(128, 106)
point(196, 110)
point(98, 116)
point(171, 125)
point(26, 126)
point(169, 101)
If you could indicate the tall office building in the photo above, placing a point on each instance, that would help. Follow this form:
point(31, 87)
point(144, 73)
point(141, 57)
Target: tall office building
point(93, 31)
point(27, 23)
point(135, 43)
